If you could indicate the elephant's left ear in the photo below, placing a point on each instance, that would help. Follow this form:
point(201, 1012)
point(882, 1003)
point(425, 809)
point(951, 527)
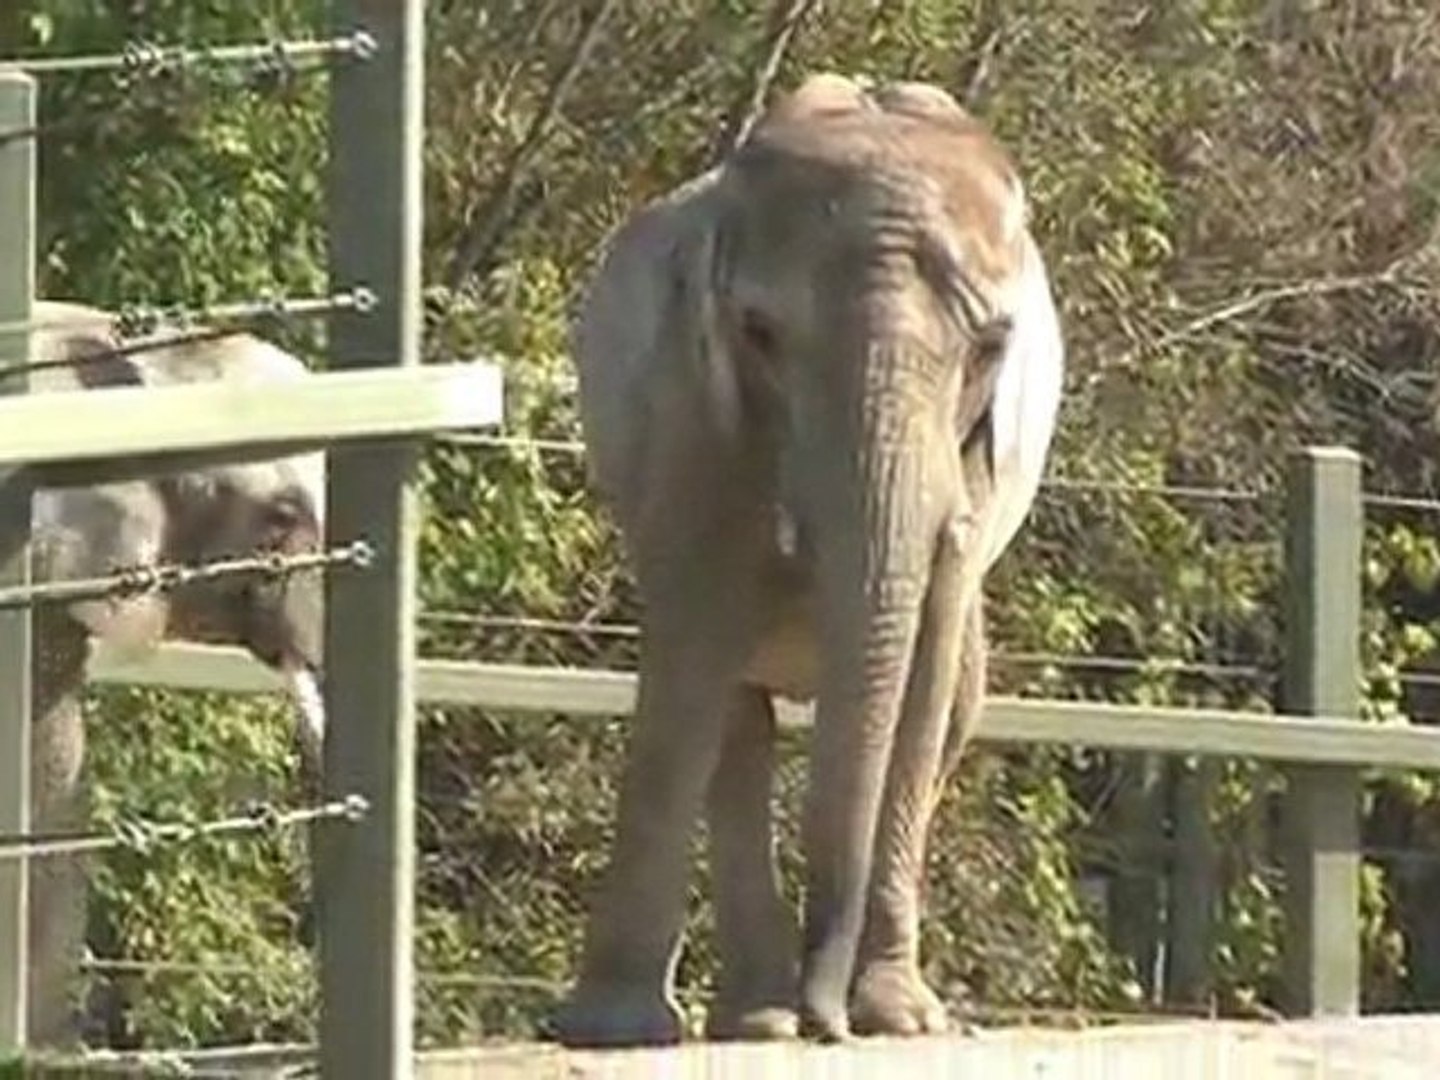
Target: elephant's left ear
point(974, 420)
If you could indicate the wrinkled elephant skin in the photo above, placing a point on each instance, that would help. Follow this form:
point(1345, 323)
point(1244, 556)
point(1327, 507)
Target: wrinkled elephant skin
point(818, 388)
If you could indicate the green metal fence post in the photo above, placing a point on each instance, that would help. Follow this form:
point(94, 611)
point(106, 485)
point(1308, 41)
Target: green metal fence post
point(366, 871)
point(1136, 898)
point(17, 286)
point(1325, 524)
point(1193, 886)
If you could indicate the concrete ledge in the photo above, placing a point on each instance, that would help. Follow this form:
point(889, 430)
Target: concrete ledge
point(1380, 1048)
point(1369, 1048)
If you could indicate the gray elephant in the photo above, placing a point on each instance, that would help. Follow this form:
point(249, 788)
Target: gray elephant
point(818, 387)
point(193, 516)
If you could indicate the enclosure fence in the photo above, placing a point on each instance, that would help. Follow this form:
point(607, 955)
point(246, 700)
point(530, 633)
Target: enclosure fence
point(1317, 739)
point(370, 415)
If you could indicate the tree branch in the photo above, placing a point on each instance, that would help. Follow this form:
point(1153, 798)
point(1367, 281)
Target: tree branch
point(786, 16)
point(1248, 305)
point(489, 224)
point(985, 42)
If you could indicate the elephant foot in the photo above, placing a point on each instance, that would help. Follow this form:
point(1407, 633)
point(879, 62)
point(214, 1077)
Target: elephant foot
point(618, 1016)
point(823, 1018)
point(890, 998)
point(751, 1023)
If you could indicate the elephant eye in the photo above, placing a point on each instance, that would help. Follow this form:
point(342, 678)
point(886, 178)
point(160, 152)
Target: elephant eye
point(284, 516)
point(282, 513)
point(758, 333)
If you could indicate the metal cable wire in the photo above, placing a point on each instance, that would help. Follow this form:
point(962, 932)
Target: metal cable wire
point(120, 352)
point(123, 967)
point(141, 834)
point(1387, 501)
point(228, 320)
point(1190, 492)
point(521, 622)
point(1171, 664)
point(1168, 491)
point(135, 320)
point(147, 59)
point(153, 578)
point(509, 442)
point(265, 66)
point(1054, 483)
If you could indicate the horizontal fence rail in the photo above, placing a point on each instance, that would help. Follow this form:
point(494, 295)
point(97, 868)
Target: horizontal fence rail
point(591, 693)
point(319, 410)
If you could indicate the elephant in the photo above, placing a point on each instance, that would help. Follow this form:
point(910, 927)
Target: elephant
point(188, 516)
point(818, 386)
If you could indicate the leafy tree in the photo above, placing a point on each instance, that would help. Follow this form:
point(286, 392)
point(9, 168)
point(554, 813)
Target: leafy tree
point(1238, 202)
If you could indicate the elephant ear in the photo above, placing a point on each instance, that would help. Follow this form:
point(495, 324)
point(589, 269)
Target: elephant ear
point(92, 532)
point(241, 359)
point(647, 327)
point(974, 419)
point(77, 350)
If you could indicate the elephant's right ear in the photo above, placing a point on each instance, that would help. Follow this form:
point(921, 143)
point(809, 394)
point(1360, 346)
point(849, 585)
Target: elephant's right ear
point(92, 532)
point(76, 350)
point(648, 325)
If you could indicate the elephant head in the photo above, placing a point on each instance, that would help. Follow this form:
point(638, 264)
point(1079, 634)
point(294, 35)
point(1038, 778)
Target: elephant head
point(187, 517)
point(818, 386)
point(856, 289)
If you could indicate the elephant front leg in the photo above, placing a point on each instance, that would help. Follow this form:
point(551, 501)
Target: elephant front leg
point(624, 995)
point(889, 995)
point(758, 949)
point(59, 885)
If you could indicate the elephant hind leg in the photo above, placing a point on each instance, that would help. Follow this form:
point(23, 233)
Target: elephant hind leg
point(759, 957)
point(889, 996)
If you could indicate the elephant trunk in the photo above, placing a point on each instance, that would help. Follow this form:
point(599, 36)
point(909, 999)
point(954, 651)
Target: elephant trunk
point(876, 553)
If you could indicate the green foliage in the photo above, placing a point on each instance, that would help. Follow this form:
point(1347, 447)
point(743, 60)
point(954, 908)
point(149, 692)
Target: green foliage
point(194, 188)
point(1237, 201)
point(227, 902)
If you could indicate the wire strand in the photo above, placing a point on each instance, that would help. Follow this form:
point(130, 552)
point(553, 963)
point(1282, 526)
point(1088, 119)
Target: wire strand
point(149, 60)
point(142, 834)
point(522, 622)
point(1153, 664)
point(157, 577)
point(136, 320)
point(1188, 492)
point(360, 301)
